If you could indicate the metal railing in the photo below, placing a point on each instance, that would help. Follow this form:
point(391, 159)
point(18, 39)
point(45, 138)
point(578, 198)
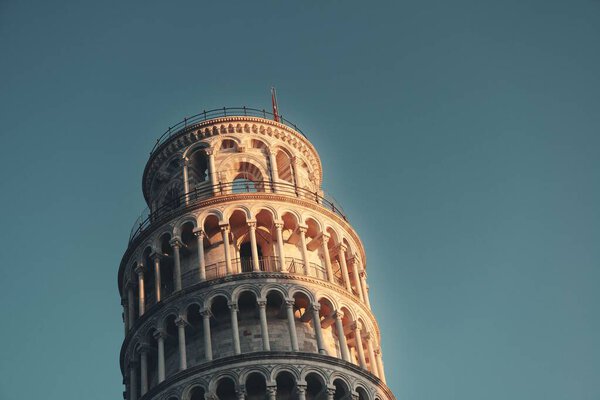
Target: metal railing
point(244, 265)
point(218, 113)
point(207, 191)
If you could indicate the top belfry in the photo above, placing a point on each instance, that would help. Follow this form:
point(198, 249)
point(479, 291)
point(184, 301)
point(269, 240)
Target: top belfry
point(243, 279)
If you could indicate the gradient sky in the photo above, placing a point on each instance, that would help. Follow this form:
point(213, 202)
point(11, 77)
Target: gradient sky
point(461, 137)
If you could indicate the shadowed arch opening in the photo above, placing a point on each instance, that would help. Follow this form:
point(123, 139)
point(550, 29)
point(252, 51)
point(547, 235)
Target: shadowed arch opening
point(286, 386)
point(256, 387)
point(315, 387)
point(197, 393)
point(341, 390)
point(226, 389)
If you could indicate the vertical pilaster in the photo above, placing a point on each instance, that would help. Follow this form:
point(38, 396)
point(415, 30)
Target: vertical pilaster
point(357, 282)
point(372, 361)
point(142, 301)
point(201, 260)
point(143, 369)
point(180, 322)
point(160, 338)
point(278, 229)
point(157, 279)
point(302, 229)
point(365, 287)
point(339, 326)
point(208, 355)
point(253, 246)
point(274, 172)
point(359, 347)
point(324, 241)
point(264, 328)
point(289, 305)
point(342, 257)
point(380, 365)
point(226, 247)
point(235, 331)
point(186, 184)
point(318, 330)
point(212, 172)
point(176, 245)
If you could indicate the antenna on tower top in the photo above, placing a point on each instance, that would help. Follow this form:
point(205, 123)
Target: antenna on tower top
point(274, 101)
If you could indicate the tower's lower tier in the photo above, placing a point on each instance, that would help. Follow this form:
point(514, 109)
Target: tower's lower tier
point(272, 375)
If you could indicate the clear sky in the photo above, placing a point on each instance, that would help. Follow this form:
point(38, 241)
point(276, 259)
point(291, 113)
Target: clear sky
point(461, 137)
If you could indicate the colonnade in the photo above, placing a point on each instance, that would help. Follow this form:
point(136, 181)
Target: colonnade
point(374, 366)
point(359, 274)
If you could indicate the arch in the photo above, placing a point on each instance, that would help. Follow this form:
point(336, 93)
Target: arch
point(256, 386)
point(362, 393)
point(342, 388)
point(225, 388)
point(195, 392)
point(315, 385)
point(286, 385)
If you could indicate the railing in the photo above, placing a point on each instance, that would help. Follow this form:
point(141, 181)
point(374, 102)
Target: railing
point(218, 113)
point(244, 265)
point(207, 191)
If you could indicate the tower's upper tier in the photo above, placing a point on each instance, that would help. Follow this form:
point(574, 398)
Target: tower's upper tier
point(229, 145)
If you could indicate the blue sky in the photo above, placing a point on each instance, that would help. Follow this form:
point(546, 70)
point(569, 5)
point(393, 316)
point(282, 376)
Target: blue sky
point(462, 139)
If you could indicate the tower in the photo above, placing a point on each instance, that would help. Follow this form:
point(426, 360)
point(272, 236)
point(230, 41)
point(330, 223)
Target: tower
point(243, 279)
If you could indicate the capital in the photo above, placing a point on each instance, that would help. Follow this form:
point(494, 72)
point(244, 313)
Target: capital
point(205, 312)
point(343, 247)
point(160, 334)
point(180, 321)
point(325, 238)
point(272, 391)
point(357, 326)
point(302, 228)
point(233, 306)
point(377, 351)
point(261, 303)
point(289, 303)
point(316, 307)
point(209, 151)
point(330, 390)
point(251, 224)
point(139, 269)
point(156, 256)
point(362, 273)
point(301, 389)
point(224, 227)
point(198, 232)
point(278, 225)
point(176, 242)
point(338, 314)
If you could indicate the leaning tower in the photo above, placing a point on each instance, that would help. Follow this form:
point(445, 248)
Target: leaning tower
point(243, 279)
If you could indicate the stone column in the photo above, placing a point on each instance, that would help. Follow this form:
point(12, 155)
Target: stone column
point(330, 392)
point(318, 330)
point(180, 322)
point(372, 362)
point(235, 331)
point(140, 273)
point(186, 184)
point(253, 246)
point(278, 228)
point(212, 172)
point(160, 338)
point(143, 370)
point(301, 391)
point(240, 393)
point(208, 356)
point(133, 395)
point(274, 172)
point(201, 261)
point(131, 306)
point(359, 348)
point(225, 234)
point(302, 229)
point(339, 326)
point(380, 365)
point(272, 392)
point(354, 264)
point(176, 245)
point(365, 287)
point(264, 328)
point(324, 241)
point(157, 283)
point(289, 305)
point(342, 256)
